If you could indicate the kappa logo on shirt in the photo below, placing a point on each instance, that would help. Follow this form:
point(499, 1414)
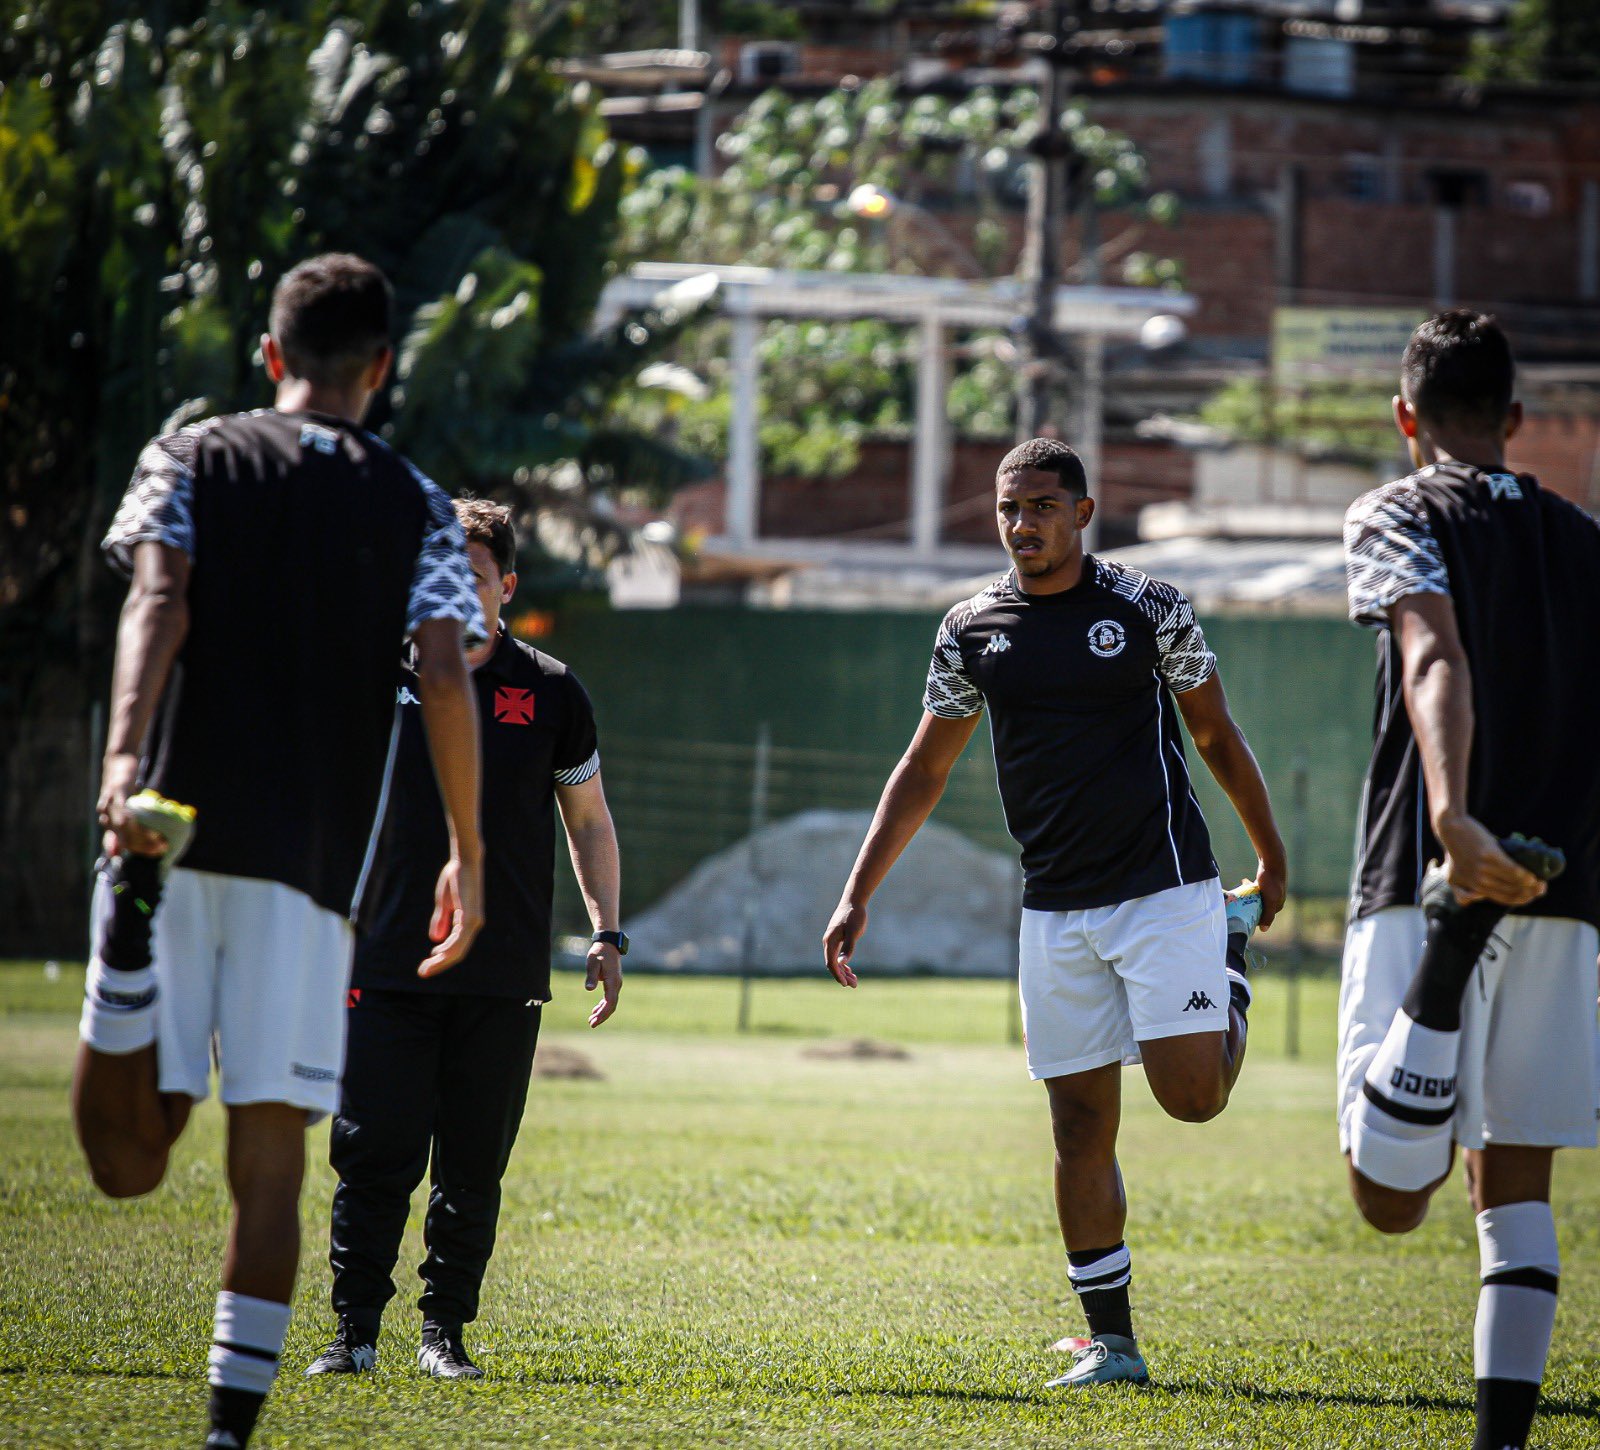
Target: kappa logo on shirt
point(1107, 638)
point(1503, 485)
point(998, 645)
point(513, 706)
point(405, 697)
point(323, 440)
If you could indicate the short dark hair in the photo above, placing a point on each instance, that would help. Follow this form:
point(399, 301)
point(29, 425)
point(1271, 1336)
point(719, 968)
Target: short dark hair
point(1047, 455)
point(1458, 369)
point(489, 524)
point(331, 315)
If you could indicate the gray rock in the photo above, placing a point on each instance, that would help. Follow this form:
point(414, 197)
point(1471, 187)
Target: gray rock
point(948, 906)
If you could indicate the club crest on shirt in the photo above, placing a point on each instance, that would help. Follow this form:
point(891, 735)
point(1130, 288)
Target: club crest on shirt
point(513, 706)
point(998, 644)
point(1107, 638)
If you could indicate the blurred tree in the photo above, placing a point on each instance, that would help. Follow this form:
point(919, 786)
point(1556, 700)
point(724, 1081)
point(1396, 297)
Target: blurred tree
point(157, 176)
point(1327, 420)
point(1548, 41)
point(800, 173)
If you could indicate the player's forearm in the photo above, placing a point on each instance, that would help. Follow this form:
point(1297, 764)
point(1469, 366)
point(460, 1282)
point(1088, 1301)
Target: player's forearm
point(450, 719)
point(597, 864)
point(153, 626)
point(1438, 695)
point(907, 801)
point(1234, 767)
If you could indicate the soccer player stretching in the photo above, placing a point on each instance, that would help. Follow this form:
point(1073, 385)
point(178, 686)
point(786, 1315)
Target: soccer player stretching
point(1129, 950)
point(279, 558)
point(1485, 590)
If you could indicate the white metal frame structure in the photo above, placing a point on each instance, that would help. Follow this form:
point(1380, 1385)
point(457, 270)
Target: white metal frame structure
point(932, 306)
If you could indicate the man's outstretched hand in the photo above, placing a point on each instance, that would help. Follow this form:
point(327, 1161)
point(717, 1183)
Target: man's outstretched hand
point(840, 941)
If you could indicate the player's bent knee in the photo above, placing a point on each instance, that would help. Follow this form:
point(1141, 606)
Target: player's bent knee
point(1195, 1106)
point(122, 1173)
point(1389, 1210)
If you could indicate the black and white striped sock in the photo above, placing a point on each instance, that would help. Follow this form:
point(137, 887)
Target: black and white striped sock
point(1101, 1277)
point(245, 1347)
point(1521, 1268)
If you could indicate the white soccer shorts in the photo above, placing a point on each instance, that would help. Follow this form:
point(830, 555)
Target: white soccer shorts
point(254, 973)
point(1527, 1068)
point(1098, 982)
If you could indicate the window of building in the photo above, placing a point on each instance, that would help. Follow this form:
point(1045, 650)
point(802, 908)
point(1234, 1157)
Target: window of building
point(1458, 188)
point(1316, 65)
point(1206, 45)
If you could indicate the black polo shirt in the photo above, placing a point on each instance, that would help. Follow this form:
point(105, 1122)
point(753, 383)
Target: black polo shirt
point(1087, 748)
point(537, 730)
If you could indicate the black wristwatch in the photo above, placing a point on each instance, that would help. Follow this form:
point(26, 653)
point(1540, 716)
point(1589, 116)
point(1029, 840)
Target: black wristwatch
point(617, 939)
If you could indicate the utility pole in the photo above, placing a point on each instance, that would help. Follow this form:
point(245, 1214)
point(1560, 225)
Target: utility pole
point(1047, 207)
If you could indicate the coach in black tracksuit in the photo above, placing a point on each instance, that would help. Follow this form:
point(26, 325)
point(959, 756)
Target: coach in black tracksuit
point(439, 1066)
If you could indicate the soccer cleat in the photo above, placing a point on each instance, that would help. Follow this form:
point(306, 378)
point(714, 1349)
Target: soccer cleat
point(1438, 898)
point(171, 820)
point(444, 1356)
point(1243, 907)
point(1106, 1359)
point(353, 1351)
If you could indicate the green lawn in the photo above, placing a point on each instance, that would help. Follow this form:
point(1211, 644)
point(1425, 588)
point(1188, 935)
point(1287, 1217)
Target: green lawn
point(727, 1242)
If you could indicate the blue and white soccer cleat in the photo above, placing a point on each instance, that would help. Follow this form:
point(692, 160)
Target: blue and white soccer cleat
point(1107, 1359)
point(1243, 908)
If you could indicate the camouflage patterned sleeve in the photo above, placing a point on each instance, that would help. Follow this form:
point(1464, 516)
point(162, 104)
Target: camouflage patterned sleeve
point(950, 692)
point(1390, 552)
point(159, 504)
point(1183, 658)
point(442, 586)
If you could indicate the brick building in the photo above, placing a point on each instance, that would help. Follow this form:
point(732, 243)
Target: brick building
point(1325, 155)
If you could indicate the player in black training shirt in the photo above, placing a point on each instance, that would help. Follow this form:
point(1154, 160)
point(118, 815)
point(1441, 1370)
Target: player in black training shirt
point(1485, 590)
point(1129, 951)
point(279, 558)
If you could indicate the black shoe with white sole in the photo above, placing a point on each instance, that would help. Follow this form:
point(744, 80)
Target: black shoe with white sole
point(353, 1351)
point(444, 1356)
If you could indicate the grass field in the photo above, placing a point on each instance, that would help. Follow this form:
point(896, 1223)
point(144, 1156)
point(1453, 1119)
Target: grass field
point(727, 1242)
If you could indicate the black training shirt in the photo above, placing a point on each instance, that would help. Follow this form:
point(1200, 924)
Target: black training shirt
point(315, 550)
point(537, 729)
point(1521, 568)
point(1087, 748)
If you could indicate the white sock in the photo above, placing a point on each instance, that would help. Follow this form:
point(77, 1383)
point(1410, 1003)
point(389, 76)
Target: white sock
point(1400, 1125)
point(246, 1343)
point(1521, 1269)
point(119, 1009)
point(1415, 1069)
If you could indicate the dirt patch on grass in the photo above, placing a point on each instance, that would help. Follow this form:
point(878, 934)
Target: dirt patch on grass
point(857, 1049)
point(565, 1062)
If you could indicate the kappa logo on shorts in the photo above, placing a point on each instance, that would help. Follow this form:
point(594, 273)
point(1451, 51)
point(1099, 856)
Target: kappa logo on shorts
point(1107, 638)
point(1199, 1002)
point(513, 706)
point(405, 697)
point(313, 1074)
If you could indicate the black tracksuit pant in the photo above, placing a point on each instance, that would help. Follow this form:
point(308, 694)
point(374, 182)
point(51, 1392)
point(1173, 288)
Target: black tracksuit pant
point(426, 1074)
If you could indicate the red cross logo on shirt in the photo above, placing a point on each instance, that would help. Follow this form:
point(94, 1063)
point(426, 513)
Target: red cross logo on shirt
point(513, 706)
